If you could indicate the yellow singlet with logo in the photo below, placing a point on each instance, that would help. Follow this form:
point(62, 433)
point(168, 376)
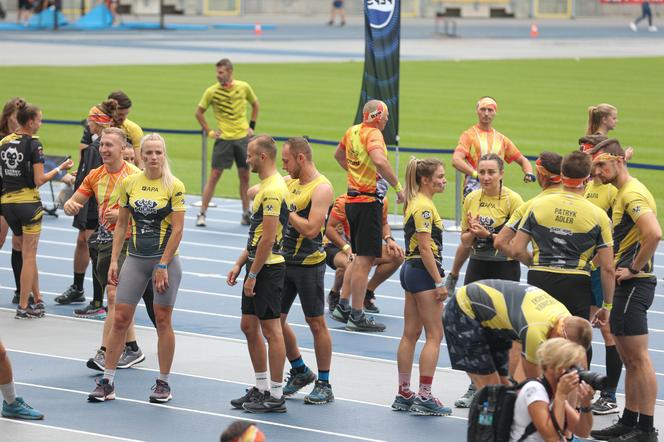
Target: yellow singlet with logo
point(632, 202)
point(272, 199)
point(517, 215)
point(601, 195)
point(512, 310)
point(421, 216)
point(566, 229)
point(296, 248)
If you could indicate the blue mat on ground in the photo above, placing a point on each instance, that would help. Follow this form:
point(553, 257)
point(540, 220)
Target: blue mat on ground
point(11, 27)
point(150, 26)
point(99, 17)
point(45, 19)
point(247, 26)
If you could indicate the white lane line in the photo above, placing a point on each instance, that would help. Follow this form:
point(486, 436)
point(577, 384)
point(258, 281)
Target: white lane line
point(205, 413)
point(71, 430)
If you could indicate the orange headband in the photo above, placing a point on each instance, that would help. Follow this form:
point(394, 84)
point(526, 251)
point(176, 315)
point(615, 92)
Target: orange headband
point(252, 434)
point(488, 102)
point(604, 156)
point(587, 147)
point(552, 177)
point(370, 117)
point(99, 116)
point(574, 183)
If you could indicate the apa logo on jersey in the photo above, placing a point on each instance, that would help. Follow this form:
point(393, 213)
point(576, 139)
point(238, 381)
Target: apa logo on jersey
point(380, 12)
point(11, 157)
point(146, 207)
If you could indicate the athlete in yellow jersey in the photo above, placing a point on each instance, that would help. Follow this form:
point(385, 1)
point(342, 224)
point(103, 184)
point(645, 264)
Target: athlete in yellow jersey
point(264, 281)
point(484, 317)
point(22, 170)
point(363, 154)
point(311, 195)
point(565, 230)
point(486, 212)
point(548, 177)
point(228, 98)
point(636, 234)
point(422, 280)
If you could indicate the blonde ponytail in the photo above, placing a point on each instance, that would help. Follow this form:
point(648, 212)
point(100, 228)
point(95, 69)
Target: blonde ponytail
point(415, 171)
point(167, 177)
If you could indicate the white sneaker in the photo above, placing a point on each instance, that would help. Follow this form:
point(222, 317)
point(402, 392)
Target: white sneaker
point(652, 28)
point(200, 220)
point(632, 26)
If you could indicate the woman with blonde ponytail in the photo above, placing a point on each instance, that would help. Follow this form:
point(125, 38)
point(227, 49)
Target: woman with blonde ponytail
point(422, 279)
point(601, 119)
point(155, 201)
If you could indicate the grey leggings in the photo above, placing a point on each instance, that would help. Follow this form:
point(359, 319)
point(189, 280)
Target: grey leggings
point(135, 275)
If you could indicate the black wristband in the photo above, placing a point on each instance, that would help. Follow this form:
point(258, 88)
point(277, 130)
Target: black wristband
point(252, 124)
point(584, 409)
point(632, 270)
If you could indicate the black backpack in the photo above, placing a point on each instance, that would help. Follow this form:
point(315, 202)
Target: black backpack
point(492, 412)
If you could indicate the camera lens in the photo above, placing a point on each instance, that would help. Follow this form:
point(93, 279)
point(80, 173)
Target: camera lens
point(595, 380)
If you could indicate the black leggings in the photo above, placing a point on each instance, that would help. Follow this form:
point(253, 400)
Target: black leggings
point(148, 299)
point(478, 269)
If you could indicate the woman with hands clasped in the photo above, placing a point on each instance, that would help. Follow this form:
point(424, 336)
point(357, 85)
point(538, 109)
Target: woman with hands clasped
point(556, 405)
point(422, 279)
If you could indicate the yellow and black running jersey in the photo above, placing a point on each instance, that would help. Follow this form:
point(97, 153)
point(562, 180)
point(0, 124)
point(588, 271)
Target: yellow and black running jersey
point(151, 206)
point(493, 213)
point(632, 201)
point(272, 199)
point(230, 107)
point(421, 216)
point(565, 230)
point(296, 248)
point(517, 215)
point(512, 310)
point(133, 132)
point(18, 154)
point(601, 195)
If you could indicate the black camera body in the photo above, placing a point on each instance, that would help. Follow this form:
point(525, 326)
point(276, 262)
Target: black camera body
point(595, 380)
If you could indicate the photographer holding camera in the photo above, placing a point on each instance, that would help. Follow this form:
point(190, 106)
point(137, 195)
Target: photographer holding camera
point(556, 405)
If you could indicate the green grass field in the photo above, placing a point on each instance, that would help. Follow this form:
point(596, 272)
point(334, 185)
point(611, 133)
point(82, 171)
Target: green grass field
point(542, 106)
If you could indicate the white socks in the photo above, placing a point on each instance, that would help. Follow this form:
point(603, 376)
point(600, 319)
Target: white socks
point(262, 382)
point(276, 390)
point(8, 392)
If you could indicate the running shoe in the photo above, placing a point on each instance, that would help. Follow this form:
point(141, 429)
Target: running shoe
point(105, 391)
point(39, 308)
point(637, 435)
point(451, 282)
point(605, 405)
point(652, 28)
point(614, 431)
point(98, 362)
point(341, 313)
point(465, 400)
point(28, 313)
point(402, 403)
point(266, 404)
point(321, 394)
point(632, 26)
point(200, 220)
point(90, 311)
point(429, 407)
point(297, 381)
point(246, 218)
point(71, 296)
point(332, 300)
point(19, 409)
point(161, 392)
point(129, 357)
point(370, 303)
point(252, 394)
point(364, 324)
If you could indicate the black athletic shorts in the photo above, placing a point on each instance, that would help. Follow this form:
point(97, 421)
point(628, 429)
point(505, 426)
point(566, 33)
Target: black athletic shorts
point(307, 282)
point(266, 303)
point(89, 221)
point(473, 348)
point(23, 217)
point(330, 252)
point(631, 301)
point(366, 228)
point(574, 291)
point(227, 151)
point(478, 269)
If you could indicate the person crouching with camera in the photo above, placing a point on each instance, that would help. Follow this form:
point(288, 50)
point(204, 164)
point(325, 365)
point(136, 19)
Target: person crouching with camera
point(555, 406)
